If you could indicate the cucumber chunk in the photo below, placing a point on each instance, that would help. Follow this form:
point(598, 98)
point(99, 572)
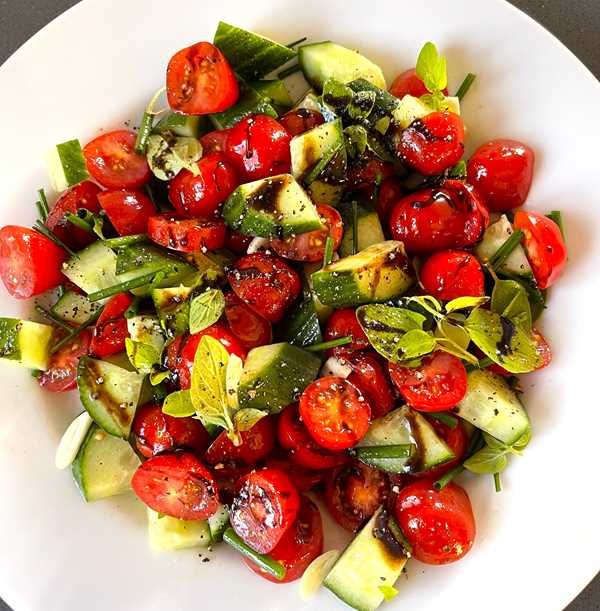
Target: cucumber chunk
point(369, 230)
point(271, 207)
point(93, 268)
point(109, 394)
point(324, 60)
point(66, 165)
point(146, 329)
point(377, 273)
point(250, 102)
point(173, 309)
point(75, 308)
point(411, 108)
point(25, 343)
point(187, 126)
point(276, 91)
point(218, 523)
point(104, 465)
point(492, 406)
point(323, 311)
point(275, 375)
point(167, 533)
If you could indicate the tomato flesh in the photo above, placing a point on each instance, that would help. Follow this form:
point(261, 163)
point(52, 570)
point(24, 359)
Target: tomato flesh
point(187, 235)
point(439, 524)
point(304, 479)
point(298, 121)
point(111, 331)
point(251, 329)
point(237, 242)
point(61, 375)
point(127, 210)
point(451, 274)
point(369, 376)
point(439, 383)
point(341, 324)
point(200, 81)
point(265, 506)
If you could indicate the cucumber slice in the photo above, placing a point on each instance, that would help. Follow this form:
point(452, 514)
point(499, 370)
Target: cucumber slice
point(369, 230)
point(173, 309)
point(25, 343)
point(492, 406)
point(275, 375)
point(301, 325)
point(104, 465)
point(401, 426)
point(109, 394)
point(167, 533)
point(93, 268)
point(377, 273)
point(187, 126)
point(276, 91)
point(411, 108)
point(218, 523)
point(271, 207)
point(324, 60)
point(373, 559)
point(250, 102)
point(250, 55)
point(323, 311)
point(146, 329)
point(75, 308)
point(66, 165)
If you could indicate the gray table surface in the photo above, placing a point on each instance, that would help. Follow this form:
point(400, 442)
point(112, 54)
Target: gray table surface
point(575, 22)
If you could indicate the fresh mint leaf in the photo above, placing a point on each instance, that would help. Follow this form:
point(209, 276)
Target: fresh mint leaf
point(179, 404)
point(509, 299)
point(206, 309)
point(431, 68)
point(361, 105)
point(459, 171)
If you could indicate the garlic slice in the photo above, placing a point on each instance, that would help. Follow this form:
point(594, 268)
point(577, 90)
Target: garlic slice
point(71, 441)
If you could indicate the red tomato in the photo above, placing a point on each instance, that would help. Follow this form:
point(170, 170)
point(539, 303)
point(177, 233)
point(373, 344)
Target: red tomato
point(542, 347)
point(366, 170)
point(187, 235)
point(298, 121)
point(304, 451)
point(335, 413)
point(61, 374)
point(214, 142)
point(432, 144)
point(259, 147)
point(408, 83)
point(81, 196)
point(200, 81)
point(156, 432)
point(341, 324)
point(354, 492)
point(544, 246)
point(112, 161)
point(128, 211)
point(457, 440)
point(201, 195)
point(181, 351)
point(111, 331)
point(251, 329)
point(310, 246)
point(30, 263)
point(304, 479)
point(237, 242)
point(451, 216)
point(299, 546)
point(265, 506)
point(439, 383)
point(177, 485)
point(439, 524)
point(368, 375)
point(257, 443)
point(267, 284)
point(452, 273)
point(390, 192)
point(501, 171)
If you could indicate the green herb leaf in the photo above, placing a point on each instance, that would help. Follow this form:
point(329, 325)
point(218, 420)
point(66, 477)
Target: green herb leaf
point(389, 592)
point(487, 460)
point(142, 356)
point(167, 155)
point(428, 303)
point(431, 68)
point(246, 418)
point(509, 299)
point(158, 377)
point(337, 95)
point(361, 105)
point(355, 137)
point(462, 303)
point(459, 171)
point(233, 374)
point(206, 309)
point(454, 339)
point(179, 404)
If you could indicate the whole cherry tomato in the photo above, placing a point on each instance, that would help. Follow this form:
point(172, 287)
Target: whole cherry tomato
point(61, 374)
point(187, 235)
point(390, 192)
point(341, 324)
point(408, 83)
point(111, 331)
point(501, 171)
point(298, 121)
point(214, 142)
point(237, 242)
point(369, 376)
point(251, 329)
point(366, 170)
point(304, 479)
point(127, 210)
point(452, 273)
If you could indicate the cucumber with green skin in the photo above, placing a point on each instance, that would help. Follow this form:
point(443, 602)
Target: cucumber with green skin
point(93, 268)
point(104, 465)
point(301, 325)
point(250, 102)
point(275, 376)
point(66, 165)
point(369, 229)
point(75, 308)
point(25, 343)
point(146, 329)
point(173, 309)
point(377, 273)
point(218, 523)
point(274, 90)
point(190, 126)
point(166, 533)
point(271, 207)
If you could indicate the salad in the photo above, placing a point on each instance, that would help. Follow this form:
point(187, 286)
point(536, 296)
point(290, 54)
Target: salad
point(264, 302)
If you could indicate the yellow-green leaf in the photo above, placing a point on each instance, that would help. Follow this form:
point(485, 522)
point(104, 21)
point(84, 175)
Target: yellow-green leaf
point(179, 404)
point(461, 303)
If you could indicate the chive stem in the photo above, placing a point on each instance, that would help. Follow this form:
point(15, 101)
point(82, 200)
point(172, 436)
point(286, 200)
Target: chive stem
point(60, 291)
point(133, 309)
point(41, 211)
point(126, 240)
point(332, 343)
point(485, 362)
point(144, 131)
point(445, 418)
point(497, 482)
point(556, 216)
point(53, 317)
point(402, 450)
point(123, 287)
point(75, 332)
point(266, 563)
point(288, 71)
point(465, 85)
point(79, 222)
point(498, 259)
point(354, 227)
point(328, 253)
point(297, 42)
point(44, 203)
point(41, 228)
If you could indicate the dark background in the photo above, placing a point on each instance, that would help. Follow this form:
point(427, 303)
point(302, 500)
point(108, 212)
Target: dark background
point(575, 22)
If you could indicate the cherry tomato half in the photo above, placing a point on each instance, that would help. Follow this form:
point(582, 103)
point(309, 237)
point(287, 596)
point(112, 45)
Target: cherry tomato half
point(299, 546)
point(544, 246)
point(267, 284)
point(366, 170)
point(201, 194)
point(251, 329)
point(128, 211)
point(265, 506)
point(432, 144)
point(452, 273)
point(304, 451)
point(369, 376)
point(310, 246)
point(457, 440)
point(61, 374)
point(408, 83)
point(187, 235)
point(200, 81)
point(81, 196)
point(177, 485)
point(439, 524)
point(214, 142)
point(451, 216)
point(259, 147)
point(439, 383)
point(156, 432)
point(501, 171)
point(30, 263)
point(111, 331)
point(353, 493)
point(341, 324)
point(112, 161)
point(335, 412)
point(298, 121)
point(237, 242)
point(304, 479)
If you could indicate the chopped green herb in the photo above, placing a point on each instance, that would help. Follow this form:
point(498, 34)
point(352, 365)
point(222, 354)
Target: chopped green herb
point(55, 319)
point(445, 418)
point(497, 482)
point(75, 332)
point(297, 42)
point(289, 71)
point(328, 254)
point(403, 450)
point(266, 563)
point(556, 216)
point(465, 85)
point(498, 259)
point(332, 343)
point(41, 228)
point(124, 286)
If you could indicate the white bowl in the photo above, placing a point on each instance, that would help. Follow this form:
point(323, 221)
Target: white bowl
point(95, 67)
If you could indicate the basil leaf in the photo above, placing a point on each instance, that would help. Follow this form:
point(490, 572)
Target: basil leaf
point(142, 356)
point(355, 137)
point(179, 404)
point(462, 303)
point(431, 68)
point(494, 443)
point(501, 340)
point(509, 298)
point(167, 155)
point(206, 309)
point(522, 442)
point(361, 105)
point(459, 171)
point(416, 343)
point(337, 95)
point(246, 418)
point(486, 460)
point(382, 125)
